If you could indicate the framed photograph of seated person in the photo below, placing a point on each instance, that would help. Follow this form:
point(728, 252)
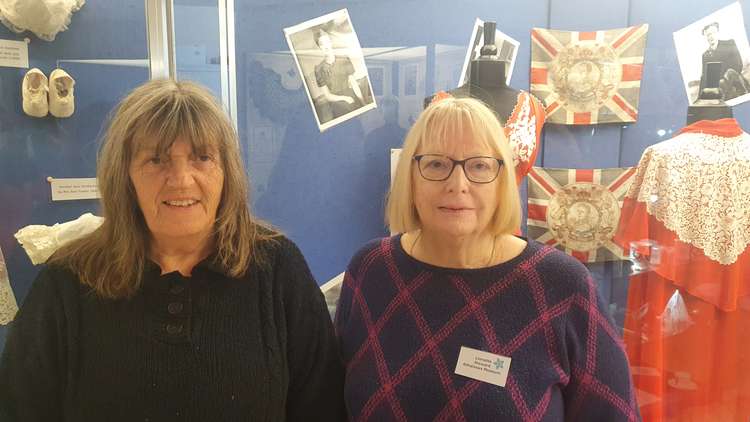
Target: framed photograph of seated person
point(332, 66)
point(507, 50)
point(717, 38)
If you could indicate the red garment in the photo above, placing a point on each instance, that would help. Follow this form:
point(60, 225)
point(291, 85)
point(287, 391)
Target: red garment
point(726, 128)
point(688, 318)
point(691, 362)
point(682, 263)
point(523, 130)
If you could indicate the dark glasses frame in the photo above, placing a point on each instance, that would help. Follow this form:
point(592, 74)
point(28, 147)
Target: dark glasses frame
point(461, 163)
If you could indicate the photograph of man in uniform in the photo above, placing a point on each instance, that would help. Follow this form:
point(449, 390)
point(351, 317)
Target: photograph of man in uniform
point(714, 52)
point(731, 82)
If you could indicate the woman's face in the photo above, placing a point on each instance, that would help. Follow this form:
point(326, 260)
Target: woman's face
point(455, 207)
point(325, 44)
point(178, 192)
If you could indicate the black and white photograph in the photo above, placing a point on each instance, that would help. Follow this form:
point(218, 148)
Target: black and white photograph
point(718, 38)
point(332, 65)
point(507, 49)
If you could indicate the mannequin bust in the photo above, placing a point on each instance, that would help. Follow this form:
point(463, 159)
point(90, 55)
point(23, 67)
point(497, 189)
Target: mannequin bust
point(520, 113)
point(487, 79)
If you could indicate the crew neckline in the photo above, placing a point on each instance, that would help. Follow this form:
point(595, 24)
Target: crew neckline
point(208, 263)
point(399, 250)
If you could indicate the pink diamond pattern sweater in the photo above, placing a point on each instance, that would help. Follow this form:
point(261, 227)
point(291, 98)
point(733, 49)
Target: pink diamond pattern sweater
point(402, 322)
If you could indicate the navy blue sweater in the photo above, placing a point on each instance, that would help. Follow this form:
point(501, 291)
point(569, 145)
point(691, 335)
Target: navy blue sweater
point(402, 322)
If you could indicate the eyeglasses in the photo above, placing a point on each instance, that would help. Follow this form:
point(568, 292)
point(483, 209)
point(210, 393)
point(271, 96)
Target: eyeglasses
point(437, 167)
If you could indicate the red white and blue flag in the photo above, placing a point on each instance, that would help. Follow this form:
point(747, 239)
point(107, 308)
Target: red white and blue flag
point(578, 210)
point(587, 78)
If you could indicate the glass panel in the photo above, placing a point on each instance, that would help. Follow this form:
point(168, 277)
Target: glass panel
point(682, 315)
point(196, 34)
point(105, 52)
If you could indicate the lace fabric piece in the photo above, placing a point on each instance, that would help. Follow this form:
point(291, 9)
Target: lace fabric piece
point(698, 186)
point(45, 18)
point(8, 304)
point(522, 131)
point(40, 241)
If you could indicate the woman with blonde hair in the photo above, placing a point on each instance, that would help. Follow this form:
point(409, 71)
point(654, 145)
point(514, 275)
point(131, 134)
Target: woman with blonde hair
point(455, 318)
point(181, 305)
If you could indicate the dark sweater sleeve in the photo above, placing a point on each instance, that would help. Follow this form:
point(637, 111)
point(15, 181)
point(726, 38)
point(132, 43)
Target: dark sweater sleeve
point(316, 376)
point(345, 302)
point(346, 296)
point(600, 386)
point(357, 265)
point(33, 364)
point(735, 59)
point(344, 307)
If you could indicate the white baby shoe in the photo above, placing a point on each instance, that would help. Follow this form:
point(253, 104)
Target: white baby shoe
point(61, 100)
point(34, 90)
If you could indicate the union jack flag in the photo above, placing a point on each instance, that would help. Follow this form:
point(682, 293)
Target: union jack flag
point(578, 210)
point(588, 77)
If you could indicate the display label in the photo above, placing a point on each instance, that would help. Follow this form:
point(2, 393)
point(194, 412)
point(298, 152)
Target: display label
point(483, 366)
point(73, 189)
point(14, 54)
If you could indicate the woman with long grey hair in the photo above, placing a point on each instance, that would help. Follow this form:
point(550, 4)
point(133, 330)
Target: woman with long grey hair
point(182, 305)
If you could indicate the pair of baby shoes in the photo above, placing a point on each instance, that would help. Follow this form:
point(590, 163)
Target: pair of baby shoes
point(41, 96)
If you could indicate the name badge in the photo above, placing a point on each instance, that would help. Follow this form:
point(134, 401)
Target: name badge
point(483, 366)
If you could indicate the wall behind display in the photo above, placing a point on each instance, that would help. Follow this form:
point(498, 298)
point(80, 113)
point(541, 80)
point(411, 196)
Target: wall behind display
point(32, 149)
point(326, 190)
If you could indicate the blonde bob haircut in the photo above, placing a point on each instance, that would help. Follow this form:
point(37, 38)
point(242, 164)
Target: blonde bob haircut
point(112, 258)
point(440, 124)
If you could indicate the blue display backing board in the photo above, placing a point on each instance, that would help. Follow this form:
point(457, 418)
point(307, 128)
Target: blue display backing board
point(326, 190)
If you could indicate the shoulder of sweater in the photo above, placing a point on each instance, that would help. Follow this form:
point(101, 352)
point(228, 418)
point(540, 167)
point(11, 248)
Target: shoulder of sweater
point(273, 244)
point(560, 269)
point(366, 249)
point(285, 260)
point(58, 278)
point(56, 289)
